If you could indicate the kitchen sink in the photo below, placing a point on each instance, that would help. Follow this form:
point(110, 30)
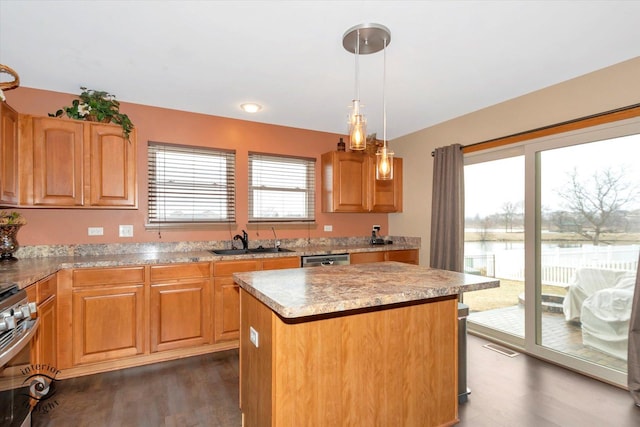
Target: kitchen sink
point(230, 251)
point(267, 250)
point(259, 250)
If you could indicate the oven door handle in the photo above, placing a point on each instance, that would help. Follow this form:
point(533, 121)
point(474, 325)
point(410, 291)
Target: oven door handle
point(20, 341)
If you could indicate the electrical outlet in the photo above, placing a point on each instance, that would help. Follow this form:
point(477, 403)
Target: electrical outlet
point(95, 231)
point(253, 336)
point(328, 228)
point(126, 231)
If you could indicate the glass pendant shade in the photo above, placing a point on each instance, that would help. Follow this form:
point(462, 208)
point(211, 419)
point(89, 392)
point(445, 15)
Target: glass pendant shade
point(357, 129)
point(384, 164)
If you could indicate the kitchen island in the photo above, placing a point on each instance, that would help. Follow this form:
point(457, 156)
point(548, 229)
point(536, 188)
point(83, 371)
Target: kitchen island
point(367, 344)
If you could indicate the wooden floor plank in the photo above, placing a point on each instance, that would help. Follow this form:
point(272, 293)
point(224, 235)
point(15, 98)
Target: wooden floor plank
point(203, 391)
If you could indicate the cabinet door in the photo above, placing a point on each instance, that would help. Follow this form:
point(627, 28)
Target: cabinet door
point(107, 323)
point(8, 155)
point(387, 194)
point(227, 311)
point(364, 257)
point(46, 335)
point(227, 298)
point(113, 167)
point(57, 162)
point(180, 315)
point(345, 182)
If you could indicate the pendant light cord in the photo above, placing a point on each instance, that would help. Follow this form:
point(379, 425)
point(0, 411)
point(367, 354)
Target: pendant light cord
point(384, 95)
point(357, 66)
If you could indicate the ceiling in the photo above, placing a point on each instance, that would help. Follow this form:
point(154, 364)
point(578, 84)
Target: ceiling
point(445, 59)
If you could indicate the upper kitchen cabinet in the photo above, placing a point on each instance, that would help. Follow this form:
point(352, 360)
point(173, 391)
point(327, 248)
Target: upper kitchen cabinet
point(76, 164)
point(8, 155)
point(349, 184)
point(58, 151)
point(113, 167)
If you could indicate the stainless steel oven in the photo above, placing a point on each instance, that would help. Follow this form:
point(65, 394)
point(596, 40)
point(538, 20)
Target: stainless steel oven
point(17, 328)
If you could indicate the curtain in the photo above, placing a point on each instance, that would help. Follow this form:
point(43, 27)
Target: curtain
point(633, 355)
point(447, 210)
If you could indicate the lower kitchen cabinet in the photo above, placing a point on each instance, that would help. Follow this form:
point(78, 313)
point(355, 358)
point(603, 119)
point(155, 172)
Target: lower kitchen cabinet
point(227, 292)
point(108, 323)
point(107, 309)
point(227, 298)
point(45, 340)
point(180, 306)
point(44, 347)
point(409, 256)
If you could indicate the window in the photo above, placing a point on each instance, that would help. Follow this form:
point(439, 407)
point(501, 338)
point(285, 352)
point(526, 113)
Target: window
point(281, 188)
point(189, 185)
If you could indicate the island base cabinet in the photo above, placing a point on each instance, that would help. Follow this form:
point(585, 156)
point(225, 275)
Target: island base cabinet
point(388, 367)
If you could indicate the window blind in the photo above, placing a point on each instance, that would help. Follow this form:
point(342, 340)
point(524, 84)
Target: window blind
point(190, 184)
point(281, 188)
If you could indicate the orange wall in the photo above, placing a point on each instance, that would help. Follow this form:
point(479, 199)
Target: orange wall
point(68, 226)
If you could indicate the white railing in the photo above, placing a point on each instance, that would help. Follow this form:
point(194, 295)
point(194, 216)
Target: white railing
point(558, 265)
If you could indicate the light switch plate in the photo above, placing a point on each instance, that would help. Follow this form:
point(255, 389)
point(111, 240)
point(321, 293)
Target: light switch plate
point(126, 231)
point(95, 231)
point(328, 228)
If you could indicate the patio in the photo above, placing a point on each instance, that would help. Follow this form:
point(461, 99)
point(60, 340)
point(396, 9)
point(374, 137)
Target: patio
point(557, 333)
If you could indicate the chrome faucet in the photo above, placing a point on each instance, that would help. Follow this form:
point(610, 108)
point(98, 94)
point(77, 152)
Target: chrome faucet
point(244, 239)
point(276, 242)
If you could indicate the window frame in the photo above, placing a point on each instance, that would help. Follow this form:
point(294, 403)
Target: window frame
point(157, 221)
point(309, 190)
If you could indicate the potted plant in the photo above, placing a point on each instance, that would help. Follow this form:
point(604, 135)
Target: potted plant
point(10, 223)
point(97, 106)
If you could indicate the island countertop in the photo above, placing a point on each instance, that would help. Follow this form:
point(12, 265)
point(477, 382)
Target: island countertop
point(303, 292)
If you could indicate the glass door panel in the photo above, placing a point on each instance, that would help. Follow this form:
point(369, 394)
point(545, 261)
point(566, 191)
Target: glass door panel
point(494, 243)
point(587, 243)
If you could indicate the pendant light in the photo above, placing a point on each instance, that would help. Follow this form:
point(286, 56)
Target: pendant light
point(362, 39)
point(357, 121)
point(384, 156)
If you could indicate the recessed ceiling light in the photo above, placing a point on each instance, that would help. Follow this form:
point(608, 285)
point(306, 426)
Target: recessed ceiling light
point(251, 107)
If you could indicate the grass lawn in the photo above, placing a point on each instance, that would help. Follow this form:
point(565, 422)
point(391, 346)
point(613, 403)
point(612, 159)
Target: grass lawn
point(504, 296)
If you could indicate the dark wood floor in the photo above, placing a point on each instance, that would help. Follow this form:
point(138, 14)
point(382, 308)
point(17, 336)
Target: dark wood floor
point(203, 391)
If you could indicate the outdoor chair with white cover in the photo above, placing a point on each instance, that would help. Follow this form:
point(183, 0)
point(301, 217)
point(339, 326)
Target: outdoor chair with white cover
point(601, 300)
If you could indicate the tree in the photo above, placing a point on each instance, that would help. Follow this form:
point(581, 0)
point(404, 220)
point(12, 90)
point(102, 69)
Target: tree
point(509, 212)
point(599, 198)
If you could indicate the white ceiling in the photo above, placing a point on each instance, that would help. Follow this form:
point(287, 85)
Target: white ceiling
point(445, 59)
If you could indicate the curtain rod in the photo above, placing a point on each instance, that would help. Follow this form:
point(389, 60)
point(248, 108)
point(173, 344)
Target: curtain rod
point(568, 122)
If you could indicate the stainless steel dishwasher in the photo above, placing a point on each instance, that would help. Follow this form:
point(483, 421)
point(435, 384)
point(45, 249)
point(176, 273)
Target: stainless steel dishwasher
point(324, 260)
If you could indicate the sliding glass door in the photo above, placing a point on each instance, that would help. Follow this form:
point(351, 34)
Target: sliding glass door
point(566, 251)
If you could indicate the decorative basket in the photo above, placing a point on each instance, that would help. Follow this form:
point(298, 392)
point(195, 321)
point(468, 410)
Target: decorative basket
point(12, 84)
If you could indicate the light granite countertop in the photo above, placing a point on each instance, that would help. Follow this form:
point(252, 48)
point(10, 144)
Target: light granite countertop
point(302, 292)
point(29, 270)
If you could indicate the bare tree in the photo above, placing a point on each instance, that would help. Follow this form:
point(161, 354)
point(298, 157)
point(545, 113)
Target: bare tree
point(510, 211)
point(599, 198)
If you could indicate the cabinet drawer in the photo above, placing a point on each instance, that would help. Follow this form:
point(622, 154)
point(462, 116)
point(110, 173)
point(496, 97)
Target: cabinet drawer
point(363, 257)
point(279, 263)
point(46, 288)
point(409, 256)
point(107, 276)
point(179, 271)
point(227, 268)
